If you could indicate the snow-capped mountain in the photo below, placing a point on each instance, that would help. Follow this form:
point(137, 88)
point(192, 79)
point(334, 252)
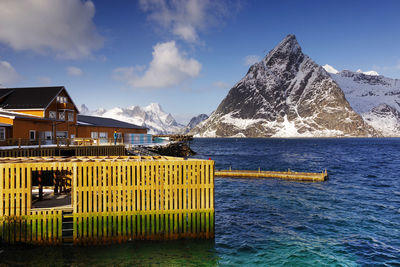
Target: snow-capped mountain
point(384, 119)
point(151, 116)
point(365, 92)
point(373, 96)
point(194, 122)
point(285, 95)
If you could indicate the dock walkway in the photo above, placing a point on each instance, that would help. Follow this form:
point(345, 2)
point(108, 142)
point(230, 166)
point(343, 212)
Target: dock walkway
point(289, 175)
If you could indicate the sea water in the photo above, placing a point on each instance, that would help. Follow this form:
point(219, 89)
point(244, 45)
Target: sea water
point(352, 219)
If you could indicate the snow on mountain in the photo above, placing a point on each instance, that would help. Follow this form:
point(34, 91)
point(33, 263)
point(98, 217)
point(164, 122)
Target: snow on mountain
point(194, 122)
point(151, 116)
point(371, 72)
point(365, 92)
point(374, 97)
point(330, 69)
point(385, 119)
point(285, 95)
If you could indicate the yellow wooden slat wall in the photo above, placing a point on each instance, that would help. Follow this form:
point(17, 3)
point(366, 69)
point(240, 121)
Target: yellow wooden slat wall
point(144, 200)
point(113, 201)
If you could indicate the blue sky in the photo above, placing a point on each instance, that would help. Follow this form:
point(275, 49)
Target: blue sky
point(183, 54)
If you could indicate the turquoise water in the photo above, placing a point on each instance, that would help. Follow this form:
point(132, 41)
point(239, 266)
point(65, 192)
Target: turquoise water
point(353, 219)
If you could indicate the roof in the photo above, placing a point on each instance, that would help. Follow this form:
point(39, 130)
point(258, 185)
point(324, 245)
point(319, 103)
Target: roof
point(105, 122)
point(28, 97)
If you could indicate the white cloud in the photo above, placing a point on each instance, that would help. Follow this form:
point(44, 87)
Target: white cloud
point(8, 75)
point(44, 80)
point(74, 71)
point(185, 18)
point(221, 84)
point(168, 67)
point(64, 27)
point(251, 59)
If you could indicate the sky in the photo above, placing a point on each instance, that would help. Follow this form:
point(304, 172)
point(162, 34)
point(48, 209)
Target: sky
point(183, 54)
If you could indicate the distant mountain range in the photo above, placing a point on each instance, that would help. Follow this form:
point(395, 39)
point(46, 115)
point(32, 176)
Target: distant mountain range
point(375, 97)
point(287, 94)
point(151, 116)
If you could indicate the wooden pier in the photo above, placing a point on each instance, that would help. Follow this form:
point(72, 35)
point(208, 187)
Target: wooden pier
point(113, 199)
point(289, 175)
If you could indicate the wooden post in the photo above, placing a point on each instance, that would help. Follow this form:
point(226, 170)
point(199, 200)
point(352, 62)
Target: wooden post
point(39, 142)
point(56, 181)
point(40, 181)
point(19, 142)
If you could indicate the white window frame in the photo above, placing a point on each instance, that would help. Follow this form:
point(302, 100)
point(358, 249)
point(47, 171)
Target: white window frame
point(2, 133)
point(53, 114)
point(94, 135)
point(61, 134)
point(34, 135)
point(61, 116)
point(103, 135)
point(70, 116)
point(48, 135)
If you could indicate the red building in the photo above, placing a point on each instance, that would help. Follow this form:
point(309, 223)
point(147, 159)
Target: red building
point(47, 113)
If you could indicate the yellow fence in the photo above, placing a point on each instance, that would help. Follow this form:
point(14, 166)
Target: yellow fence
point(114, 199)
point(118, 150)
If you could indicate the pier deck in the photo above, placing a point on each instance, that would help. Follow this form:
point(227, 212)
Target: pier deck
point(289, 175)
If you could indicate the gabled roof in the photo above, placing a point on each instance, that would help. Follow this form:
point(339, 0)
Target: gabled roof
point(28, 97)
point(105, 122)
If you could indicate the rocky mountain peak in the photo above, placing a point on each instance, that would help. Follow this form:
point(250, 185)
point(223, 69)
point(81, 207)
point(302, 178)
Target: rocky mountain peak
point(194, 122)
point(286, 54)
point(285, 95)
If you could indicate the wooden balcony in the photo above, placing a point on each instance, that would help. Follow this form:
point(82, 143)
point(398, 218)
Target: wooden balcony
point(66, 106)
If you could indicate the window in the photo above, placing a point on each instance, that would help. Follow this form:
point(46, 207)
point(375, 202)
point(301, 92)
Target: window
point(62, 99)
point(94, 135)
point(103, 135)
point(61, 116)
point(53, 115)
point(70, 116)
point(62, 134)
point(32, 135)
point(48, 135)
point(2, 133)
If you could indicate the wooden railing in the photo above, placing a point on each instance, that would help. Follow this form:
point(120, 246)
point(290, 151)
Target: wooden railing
point(20, 142)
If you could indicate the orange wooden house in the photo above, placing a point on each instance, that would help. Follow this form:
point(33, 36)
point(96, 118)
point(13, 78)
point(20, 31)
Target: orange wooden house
point(47, 113)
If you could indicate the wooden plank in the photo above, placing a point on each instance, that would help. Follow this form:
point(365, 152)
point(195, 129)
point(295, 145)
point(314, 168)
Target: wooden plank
point(12, 190)
point(1, 200)
point(7, 190)
point(130, 191)
point(207, 201)
point(176, 197)
point(119, 198)
point(90, 199)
